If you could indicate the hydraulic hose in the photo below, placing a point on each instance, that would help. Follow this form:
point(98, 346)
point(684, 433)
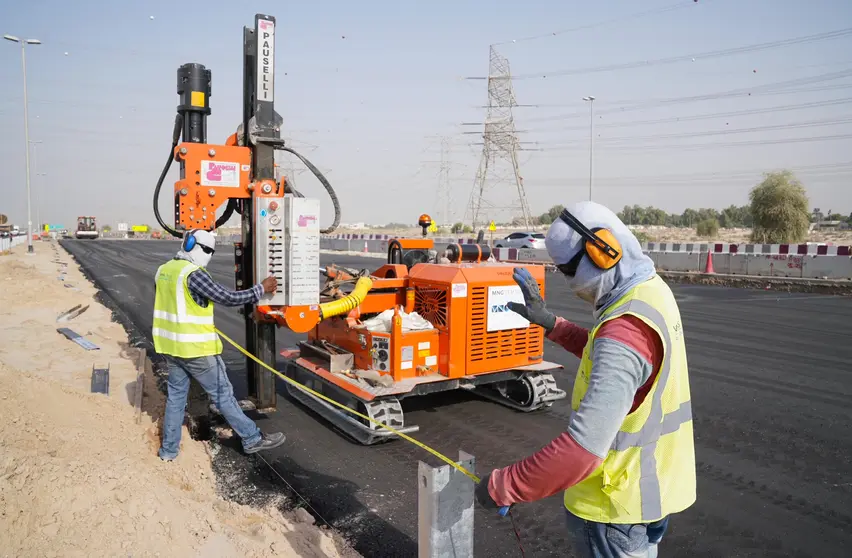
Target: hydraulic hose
point(348, 302)
point(175, 140)
point(394, 252)
point(326, 184)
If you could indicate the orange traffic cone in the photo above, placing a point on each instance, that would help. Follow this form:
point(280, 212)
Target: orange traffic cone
point(365, 247)
point(709, 267)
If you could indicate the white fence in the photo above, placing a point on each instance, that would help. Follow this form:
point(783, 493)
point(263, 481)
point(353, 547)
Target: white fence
point(7, 243)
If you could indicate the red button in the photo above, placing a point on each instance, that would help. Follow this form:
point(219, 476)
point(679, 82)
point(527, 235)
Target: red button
point(273, 206)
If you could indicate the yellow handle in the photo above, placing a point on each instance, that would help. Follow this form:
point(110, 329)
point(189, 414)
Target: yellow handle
point(406, 437)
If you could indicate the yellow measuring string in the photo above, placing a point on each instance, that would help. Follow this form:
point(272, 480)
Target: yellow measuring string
point(406, 437)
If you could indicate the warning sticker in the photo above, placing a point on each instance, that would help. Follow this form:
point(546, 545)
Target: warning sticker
point(459, 290)
point(407, 353)
point(220, 173)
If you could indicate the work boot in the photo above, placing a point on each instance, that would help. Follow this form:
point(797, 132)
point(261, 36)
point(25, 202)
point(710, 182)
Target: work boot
point(267, 442)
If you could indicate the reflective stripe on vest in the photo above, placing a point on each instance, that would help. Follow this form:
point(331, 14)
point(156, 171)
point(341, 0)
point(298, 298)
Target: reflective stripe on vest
point(181, 327)
point(606, 496)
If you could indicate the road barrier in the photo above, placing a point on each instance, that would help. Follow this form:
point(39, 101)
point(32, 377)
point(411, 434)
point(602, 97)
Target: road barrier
point(9, 242)
point(814, 261)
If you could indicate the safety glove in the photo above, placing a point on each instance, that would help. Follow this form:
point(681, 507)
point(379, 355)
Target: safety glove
point(533, 308)
point(483, 497)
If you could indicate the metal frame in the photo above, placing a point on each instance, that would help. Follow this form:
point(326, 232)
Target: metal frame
point(259, 122)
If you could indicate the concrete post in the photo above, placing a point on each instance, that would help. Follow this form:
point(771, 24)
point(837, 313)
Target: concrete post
point(445, 510)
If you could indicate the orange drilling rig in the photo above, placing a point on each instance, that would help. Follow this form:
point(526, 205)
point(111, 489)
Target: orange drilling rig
point(425, 322)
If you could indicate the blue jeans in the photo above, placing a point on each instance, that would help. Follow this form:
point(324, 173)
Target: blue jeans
point(615, 540)
point(210, 372)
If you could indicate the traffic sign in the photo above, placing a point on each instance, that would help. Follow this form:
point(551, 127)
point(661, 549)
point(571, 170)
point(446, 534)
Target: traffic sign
point(433, 227)
point(492, 227)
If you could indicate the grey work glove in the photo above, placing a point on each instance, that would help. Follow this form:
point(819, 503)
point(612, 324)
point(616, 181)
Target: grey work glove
point(533, 308)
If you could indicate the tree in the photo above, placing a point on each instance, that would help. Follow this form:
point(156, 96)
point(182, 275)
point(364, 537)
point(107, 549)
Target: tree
point(779, 207)
point(457, 228)
point(551, 215)
point(689, 217)
point(707, 227)
point(106, 229)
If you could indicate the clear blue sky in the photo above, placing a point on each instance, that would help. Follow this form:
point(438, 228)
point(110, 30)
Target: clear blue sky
point(366, 89)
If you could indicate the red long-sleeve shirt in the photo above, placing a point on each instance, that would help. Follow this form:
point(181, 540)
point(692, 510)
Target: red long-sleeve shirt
point(564, 462)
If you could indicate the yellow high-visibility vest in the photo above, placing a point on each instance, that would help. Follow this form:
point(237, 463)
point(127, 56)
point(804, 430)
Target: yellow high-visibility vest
point(649, 472)
point(181, 327)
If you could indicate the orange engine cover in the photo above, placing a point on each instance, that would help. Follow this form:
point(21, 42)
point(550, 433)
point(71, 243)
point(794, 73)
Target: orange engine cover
point(467, 305)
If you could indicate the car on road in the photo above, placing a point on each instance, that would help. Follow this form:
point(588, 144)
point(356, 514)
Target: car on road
point(522, 240)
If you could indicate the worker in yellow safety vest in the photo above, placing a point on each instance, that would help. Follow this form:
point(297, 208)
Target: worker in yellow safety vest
point(627, 460)
point(184, 334)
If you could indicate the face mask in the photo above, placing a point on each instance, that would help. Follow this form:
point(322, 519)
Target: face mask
point(199, 257)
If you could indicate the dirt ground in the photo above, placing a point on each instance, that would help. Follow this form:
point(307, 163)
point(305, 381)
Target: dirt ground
point(78, 475)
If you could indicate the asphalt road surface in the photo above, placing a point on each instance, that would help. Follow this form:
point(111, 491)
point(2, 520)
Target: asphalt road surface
point(771, 379)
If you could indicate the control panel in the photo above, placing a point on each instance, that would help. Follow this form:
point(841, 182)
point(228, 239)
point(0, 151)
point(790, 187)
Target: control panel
point(287, 246)
point(270, 248)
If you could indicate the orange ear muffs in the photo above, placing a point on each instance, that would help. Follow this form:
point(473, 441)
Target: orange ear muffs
point(604, 250)
point(600, 244)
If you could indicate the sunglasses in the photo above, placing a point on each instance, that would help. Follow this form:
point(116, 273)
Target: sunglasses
point(206, 249)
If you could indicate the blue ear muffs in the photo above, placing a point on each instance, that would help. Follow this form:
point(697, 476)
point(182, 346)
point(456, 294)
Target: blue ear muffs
point(189, 241)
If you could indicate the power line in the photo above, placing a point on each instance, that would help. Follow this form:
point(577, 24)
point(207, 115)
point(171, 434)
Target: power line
point(664, 9)
point(683, 147)
point(739, 92)
point(789, 126)
point(687, 118)
point(683, 58)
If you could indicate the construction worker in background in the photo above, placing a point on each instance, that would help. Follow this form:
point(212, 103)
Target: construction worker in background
point(184, 333)
point(627, 460)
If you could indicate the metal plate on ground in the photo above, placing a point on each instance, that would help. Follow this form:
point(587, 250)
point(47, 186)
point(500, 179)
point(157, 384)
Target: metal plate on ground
point(100, 380)
point(77, 338)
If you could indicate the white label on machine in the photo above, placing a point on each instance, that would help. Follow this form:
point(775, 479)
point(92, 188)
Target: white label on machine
point(431, 360)
point(423, 345)
point(407, 353)
point(265, 60)
point(500, 317)
point(406, 365)
point(220, 173)
point(459, 290)
point(303, 250)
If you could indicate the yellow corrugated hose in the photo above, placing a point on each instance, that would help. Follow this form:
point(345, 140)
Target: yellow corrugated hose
point(349, 302)
point(365, 285)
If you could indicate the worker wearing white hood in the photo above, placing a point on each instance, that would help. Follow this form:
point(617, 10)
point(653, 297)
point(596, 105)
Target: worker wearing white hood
point(201, 250)
point(185, 335)
point(626, 462)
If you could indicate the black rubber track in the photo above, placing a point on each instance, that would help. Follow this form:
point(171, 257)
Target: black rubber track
point(771, 378)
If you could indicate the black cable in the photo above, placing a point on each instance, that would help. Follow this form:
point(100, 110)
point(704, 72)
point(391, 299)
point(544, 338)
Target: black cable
point(175, 139)
point(326, 184)
point(229, 211)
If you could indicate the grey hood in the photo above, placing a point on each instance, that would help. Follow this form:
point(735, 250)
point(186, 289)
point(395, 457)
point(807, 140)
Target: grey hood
point(592, 284)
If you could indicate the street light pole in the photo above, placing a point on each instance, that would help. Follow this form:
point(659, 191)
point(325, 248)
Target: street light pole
point(24, 43)
point(37, 183)
point(591, 101)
